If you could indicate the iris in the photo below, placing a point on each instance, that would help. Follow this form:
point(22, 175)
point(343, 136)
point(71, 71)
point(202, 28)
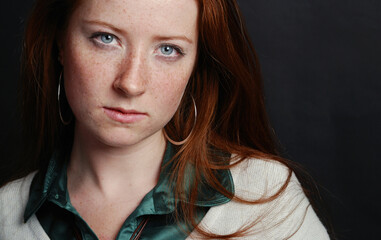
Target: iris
point(166, 50)
point(107, 38)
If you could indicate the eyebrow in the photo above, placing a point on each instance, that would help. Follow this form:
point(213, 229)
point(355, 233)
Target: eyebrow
point(157, 38)
point(96, 22)
point(182, 37)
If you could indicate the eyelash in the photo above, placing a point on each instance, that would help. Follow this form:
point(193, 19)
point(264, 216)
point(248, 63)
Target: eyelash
point(101, 44)
point(176, 48)
point(98, 42)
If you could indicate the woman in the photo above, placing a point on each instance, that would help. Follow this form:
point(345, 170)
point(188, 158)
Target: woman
point(159, 131)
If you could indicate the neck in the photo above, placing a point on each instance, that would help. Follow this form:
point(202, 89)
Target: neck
point(107, 169)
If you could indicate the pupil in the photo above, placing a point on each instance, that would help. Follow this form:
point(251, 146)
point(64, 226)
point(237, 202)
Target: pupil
point(167, 50)
point(107, 38)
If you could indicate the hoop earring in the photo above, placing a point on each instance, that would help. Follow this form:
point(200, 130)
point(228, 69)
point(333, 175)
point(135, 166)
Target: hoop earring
point(187, 138)
point(59, 103)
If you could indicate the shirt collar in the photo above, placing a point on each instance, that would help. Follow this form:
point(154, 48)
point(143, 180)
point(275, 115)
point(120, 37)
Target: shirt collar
point(51, 185)
point(47, 184)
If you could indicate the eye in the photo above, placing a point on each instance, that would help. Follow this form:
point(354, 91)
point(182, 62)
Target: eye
point(166, 50)
point(106, 38)
point(170, 52)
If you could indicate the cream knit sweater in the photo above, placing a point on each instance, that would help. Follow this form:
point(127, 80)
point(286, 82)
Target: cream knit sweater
point(287, 217)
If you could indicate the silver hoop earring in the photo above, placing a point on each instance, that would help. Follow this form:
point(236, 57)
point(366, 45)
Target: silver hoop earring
point(187, 138)
point(59, 103)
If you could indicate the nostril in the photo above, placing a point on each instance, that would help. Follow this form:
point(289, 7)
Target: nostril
point(131, 78)
point(130, 87)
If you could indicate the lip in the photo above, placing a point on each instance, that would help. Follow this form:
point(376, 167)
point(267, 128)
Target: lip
point(124, 115)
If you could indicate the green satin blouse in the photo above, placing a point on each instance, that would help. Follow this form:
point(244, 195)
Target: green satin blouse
point(49, 200)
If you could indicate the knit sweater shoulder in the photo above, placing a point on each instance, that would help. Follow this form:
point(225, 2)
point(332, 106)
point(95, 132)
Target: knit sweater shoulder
point(289, 216)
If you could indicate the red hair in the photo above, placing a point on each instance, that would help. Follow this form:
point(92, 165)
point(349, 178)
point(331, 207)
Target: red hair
point(226, 86)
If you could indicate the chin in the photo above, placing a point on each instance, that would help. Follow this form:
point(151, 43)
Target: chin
point(120, 138)
point(114, 136)
point(118, 141)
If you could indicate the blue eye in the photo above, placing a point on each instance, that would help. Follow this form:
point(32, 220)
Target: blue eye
point(107, 38)
point(166, 50)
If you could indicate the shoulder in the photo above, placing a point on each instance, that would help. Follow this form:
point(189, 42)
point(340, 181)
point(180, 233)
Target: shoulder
point(13, 199)
point(259, 178)
point(12, 190)
point(280, 209)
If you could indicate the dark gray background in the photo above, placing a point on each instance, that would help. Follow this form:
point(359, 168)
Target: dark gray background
point(321, 62)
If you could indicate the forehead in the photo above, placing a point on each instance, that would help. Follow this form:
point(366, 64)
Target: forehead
point(162, 15)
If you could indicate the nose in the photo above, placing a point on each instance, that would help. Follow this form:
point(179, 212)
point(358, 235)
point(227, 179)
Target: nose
point(131, 79)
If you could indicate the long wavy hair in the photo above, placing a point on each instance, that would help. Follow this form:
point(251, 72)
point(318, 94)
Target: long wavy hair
point(226, 86)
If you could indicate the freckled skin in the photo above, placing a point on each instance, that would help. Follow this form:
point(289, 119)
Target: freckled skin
point(131, 73)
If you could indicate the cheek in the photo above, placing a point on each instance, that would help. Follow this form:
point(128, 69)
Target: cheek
point(76, 82)
point(172, 86)
point(170, 89)
point(83, 72)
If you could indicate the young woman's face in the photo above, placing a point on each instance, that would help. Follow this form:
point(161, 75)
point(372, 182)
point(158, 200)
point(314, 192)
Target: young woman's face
point(126, 65)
